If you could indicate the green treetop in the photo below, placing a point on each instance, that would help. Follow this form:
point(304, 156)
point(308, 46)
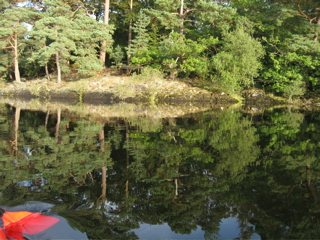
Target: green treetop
point(12, 32)
point(238, 62)
point(69, 36)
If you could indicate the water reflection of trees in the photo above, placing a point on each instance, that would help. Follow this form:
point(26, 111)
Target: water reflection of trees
point(185, 172)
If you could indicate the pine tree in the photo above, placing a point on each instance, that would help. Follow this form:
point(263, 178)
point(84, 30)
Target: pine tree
point(12, 33)
point(183, 16)
point(139, 45)
point(56, 32)
point(68, 36)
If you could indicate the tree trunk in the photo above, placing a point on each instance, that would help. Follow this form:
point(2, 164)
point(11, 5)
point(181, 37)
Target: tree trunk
point(57, 135)
point(316, 35)
point(130, 33)
point(104, 184)
point(176, 183)
point(58, 68)
point(16, 62)
point(104, 42)
point(127, 160)
point(46, 120)
point(101, 139)
point(181, 17)
point(47, 72)
point(312, 192)
point(103, 195)
point(16, 131)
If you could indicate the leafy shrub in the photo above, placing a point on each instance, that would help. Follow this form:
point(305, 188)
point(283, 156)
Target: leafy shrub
point(148, 74)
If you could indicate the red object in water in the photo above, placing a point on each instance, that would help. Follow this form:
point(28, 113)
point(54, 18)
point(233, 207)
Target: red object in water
point(17, 223)
point(2, 235)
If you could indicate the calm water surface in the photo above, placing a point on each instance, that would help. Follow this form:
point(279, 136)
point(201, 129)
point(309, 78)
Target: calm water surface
point(223, 174)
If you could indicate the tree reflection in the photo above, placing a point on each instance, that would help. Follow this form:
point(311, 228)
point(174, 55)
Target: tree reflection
point(107, 177)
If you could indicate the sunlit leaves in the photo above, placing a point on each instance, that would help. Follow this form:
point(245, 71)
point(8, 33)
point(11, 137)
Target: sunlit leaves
point(238, 62)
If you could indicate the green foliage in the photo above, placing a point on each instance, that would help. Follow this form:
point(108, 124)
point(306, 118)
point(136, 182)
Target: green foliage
point(289, 32)
point(197, 66)
point(70, 38)
point(296, 88)
point(11, 25)
point(236, 141)
point(138, 49)
point(187, 172)
point(185, 57)
point(293, 62)
point(148, 74)
point(237, 63)
point(196, 15)
point(12, 36)
point(118, 55)
point(227, 42)
point(4, 65)
point(121, 16)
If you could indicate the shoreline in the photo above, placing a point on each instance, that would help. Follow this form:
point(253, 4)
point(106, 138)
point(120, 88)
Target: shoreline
point(109, 90)
point(116, 89)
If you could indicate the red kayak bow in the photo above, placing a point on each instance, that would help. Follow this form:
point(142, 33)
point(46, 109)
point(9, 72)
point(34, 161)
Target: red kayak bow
point(18, 223)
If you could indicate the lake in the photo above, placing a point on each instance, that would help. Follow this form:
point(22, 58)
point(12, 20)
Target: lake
point(132, 172)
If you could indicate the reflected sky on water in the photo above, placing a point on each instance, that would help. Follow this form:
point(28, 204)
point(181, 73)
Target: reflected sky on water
point(228, 230)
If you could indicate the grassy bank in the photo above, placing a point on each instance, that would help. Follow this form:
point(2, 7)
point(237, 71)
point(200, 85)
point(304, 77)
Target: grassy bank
point(148, 88)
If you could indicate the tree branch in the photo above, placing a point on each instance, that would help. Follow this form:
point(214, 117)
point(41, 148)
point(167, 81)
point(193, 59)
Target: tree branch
point(186, 12)
point(84, 7)
point(302, 13)
point(189, 10)
point(273, 45)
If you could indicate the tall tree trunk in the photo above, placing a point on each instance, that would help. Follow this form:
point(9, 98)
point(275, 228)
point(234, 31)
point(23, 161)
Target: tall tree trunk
point(130, 33)
point(101, 139)
point(104, 42)
point(103, 195)
point(104, 184)
point(58, 68)
point(181, 17)
point(16, 62)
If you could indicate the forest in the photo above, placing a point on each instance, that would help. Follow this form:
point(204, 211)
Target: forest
point(231, 45)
